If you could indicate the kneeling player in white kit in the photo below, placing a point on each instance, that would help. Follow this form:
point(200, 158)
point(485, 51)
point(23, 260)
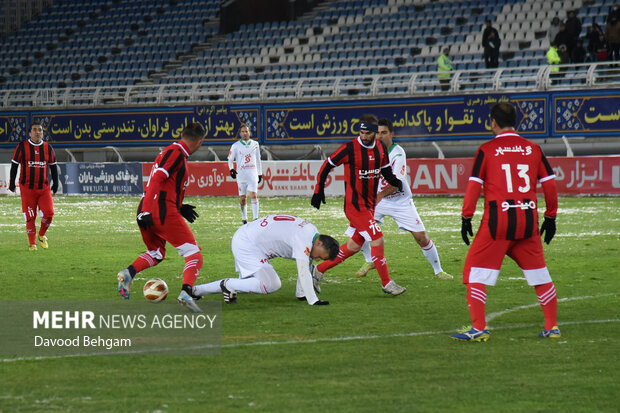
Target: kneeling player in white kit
point(256, 243)
point(245, 153)
point(400, 206)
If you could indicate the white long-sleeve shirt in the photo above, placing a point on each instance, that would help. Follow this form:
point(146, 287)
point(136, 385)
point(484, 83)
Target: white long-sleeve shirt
point(246, 156)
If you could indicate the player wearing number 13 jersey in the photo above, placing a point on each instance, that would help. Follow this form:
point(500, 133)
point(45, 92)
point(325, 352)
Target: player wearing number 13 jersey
point(365, 160)
point(508, 168)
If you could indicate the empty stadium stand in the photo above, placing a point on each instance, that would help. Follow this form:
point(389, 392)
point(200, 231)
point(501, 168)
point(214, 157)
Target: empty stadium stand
point(96, 52)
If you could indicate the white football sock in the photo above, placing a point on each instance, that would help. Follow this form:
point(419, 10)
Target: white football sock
point(244, 212)
point(366, 252)
point(430, 252)
point(209, 288)
point(255, 208)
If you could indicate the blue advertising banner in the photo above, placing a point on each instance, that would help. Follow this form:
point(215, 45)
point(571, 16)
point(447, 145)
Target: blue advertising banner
point(459, 117)
point(540, 115)
point(13, 127)
point(136, 127)
point(586, 115)
point(101, 178)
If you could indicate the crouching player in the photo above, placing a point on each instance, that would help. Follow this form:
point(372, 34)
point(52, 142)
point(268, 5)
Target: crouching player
point(160, 216)
point(257, 242)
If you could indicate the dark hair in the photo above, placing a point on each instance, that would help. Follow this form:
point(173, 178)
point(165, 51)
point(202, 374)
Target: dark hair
point(369, 118)
point(387, 123)
point(330, 245)
point(194, 131)
point(36, 123)
point(504, 114)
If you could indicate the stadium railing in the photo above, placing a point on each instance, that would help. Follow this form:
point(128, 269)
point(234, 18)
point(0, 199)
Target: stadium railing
point(525, 78)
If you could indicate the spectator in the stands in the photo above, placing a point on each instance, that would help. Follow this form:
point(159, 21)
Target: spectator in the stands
point(562, 37)
point(578, 55)
point(553, 59)
point(554, 28)
point(612, 34)
point(594, 32)
point(573, 30)
point(444, 69)
point(491, 43)
point(564, 56)
point(601, 51)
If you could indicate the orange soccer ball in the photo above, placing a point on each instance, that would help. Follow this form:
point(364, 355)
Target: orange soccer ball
point(155, 290)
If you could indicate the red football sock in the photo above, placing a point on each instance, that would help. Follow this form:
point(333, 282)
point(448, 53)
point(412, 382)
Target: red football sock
point(377, 254)
point(45, 224)
point(343, 254)
point(476, 301)
point(143, 262)
point(549, 303)
point(31, 230)
point(193, 264)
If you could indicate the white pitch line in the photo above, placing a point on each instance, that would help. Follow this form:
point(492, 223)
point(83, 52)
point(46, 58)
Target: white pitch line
point(309, 341)
point(493, 316)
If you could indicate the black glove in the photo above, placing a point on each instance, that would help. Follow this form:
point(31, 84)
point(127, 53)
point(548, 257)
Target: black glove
point(548, 229)
point(466, 229)
point(145, 220)
point(12, 186)
point(317, 199)
point(260, 178)
point(54, 187)
point(321, 302)
point(233, 174)
point(188, 212)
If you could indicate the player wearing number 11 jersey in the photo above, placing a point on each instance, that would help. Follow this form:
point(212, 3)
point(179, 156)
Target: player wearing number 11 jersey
point(509, 167)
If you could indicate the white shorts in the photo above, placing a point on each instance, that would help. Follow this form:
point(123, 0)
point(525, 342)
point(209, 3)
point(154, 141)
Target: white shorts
point(405, 215)
point(248, 260)
point(247, 186)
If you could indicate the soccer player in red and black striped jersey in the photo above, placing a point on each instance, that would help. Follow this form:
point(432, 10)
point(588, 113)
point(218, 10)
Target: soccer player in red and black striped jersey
point(509, 167)
point(161, 215)
point(365, 160)
point(34, 156)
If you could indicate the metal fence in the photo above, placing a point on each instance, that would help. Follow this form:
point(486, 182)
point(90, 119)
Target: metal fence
point(529, 78)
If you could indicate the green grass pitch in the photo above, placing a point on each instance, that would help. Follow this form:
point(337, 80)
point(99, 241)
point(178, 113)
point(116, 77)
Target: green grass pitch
point(366, 352)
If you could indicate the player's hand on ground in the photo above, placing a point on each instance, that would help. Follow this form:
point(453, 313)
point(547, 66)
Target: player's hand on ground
point(260, 178)
point(233, 174)
point(317, 199)
point(321, 302)
point(54, 187)
point(189, 212)
point(145, 220)
point(466, 229)
point(548, 229)
point(12, 186)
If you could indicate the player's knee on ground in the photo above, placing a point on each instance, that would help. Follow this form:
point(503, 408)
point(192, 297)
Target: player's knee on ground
point(270, 282)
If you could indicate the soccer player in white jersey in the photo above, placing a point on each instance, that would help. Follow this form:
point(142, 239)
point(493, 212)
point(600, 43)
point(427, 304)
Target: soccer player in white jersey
point(256, 243)
point(399, 205)
point(247, 170)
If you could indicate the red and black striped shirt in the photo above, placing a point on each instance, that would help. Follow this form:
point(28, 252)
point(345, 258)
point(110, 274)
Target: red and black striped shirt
point(363, 167)
point(167, 181)
point(34, 159)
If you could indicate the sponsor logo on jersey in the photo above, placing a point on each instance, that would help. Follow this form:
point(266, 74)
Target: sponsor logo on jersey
point(368, 173)
point(36, 164)
point(307, 251)
point(513, 149)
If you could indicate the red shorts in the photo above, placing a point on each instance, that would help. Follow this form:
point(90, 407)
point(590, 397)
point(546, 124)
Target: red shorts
point(485, 257)
point(33, 198)
point(175, 231)
point(363, 226)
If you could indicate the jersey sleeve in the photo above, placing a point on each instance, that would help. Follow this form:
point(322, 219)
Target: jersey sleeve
point(18, 154)
point(51, 156)
point(474, 186)
point(399, 166)
point(259, 166)
point(232, 154)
